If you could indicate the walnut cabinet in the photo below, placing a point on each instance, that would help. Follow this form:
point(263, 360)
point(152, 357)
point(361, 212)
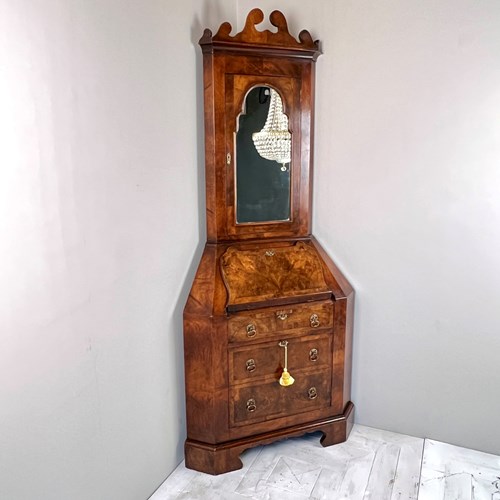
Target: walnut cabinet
point(268, 322)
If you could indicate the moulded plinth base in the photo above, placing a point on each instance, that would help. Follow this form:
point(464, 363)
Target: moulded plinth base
point(225, 457)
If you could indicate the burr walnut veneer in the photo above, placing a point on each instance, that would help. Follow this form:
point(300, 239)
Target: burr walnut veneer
point(268, 322)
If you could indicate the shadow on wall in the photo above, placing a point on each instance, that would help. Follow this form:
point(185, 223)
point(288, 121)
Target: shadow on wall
point(212, 14)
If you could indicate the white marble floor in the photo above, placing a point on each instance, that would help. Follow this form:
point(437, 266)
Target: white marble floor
point(453, 473)
point(371, 465)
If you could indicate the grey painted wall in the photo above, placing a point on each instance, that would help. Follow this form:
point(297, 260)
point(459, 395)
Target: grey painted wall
point(100, 165)
point(101, 223)
point(407, 171)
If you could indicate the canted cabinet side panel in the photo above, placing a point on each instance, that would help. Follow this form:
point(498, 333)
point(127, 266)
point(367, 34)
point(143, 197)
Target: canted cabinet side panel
point(338, 356)
point(215, 154)
point(210, 146)
point(200, 384)
point(200, 301)
point(207, 296)
point(343, 327)
point(205, 351)
point(348, 348)
point(306, 138)
point(206, 379)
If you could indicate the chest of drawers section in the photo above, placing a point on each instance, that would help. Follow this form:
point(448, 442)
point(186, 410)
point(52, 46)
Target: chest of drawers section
point(236, 328)
point(256, 360)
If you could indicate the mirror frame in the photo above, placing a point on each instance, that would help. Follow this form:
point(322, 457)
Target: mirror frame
point(232, 66)
point(268, 164)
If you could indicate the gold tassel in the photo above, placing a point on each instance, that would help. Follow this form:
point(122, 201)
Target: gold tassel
point(286, 379)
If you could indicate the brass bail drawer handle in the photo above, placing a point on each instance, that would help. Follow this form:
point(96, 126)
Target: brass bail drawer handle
point(251, 405)
point(250, 364)
point(313, 355)
point(251, 330)
point(312, 393)
point(314, 320)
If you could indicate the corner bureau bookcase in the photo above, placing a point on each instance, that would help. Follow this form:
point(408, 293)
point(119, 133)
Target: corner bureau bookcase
point(268, 322)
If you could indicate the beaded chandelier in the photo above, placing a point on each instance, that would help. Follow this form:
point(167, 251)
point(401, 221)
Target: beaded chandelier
point(273, 142)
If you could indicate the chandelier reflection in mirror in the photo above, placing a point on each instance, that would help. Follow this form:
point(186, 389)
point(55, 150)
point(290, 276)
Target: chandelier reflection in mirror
point(273, 142)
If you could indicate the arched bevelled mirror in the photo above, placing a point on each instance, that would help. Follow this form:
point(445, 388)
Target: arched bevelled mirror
point(263, 159)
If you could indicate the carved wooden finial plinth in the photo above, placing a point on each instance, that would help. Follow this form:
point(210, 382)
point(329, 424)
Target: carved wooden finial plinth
point(280, 40)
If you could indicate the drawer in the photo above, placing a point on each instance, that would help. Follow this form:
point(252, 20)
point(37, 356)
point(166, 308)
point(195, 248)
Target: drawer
point(253, 362)
point(262, 323)
point(267, 401)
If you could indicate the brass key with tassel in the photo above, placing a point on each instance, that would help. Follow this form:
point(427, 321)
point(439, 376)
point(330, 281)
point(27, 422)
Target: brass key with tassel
point(286, 379)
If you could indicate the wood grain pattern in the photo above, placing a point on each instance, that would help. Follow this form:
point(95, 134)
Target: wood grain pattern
point(268, 358)
point(281, 39)
point(224, 457)
point(273, 401)
point(231, 67)
point(269, 323)
point(254, 276)
point(258, 283)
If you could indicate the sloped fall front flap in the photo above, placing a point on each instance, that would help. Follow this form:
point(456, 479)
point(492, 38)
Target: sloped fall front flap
point(265, 274)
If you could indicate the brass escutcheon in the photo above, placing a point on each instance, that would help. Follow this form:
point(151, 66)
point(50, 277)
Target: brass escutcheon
point(251, 405)
point(282, 315)
point(251, 330)
point(313, 355)
point(269, 253)
point(312, 393)
point(250, 364)
point(314, 320)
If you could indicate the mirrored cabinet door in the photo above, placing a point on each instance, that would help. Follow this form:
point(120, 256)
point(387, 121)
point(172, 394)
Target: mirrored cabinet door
point(263, 160)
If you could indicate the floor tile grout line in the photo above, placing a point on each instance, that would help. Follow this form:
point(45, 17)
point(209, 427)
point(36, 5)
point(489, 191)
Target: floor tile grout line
point(424, 456)
point(421, 467)
point(249, 467)
point(395, 472)
point(371, 469)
